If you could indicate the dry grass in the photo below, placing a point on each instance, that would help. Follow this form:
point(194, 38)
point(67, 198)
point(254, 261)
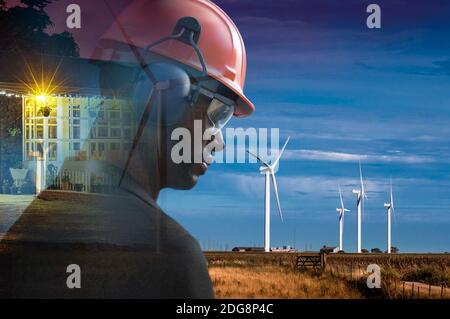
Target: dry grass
point(260, 275)
point(276, 282)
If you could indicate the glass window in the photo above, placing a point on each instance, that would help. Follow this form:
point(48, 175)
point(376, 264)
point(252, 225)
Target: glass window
point(40, 128)
point(127, 118)
point(127, 146)
point(115, 147)
point(93, 149)
point(52, 151)
point(102, 131)
point(92, 134)
point(127, 132)
point(115, 132)
point(52, 132)
point(28, 132)
point(101, 116)
point(75, 132)
point(101, 148)
point(29, 148)
point(76, 111)
point(114, 115)
point(40, 150)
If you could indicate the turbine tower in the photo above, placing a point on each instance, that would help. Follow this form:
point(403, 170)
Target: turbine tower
point(341, 210)
point(360, 198)
point(269, 172)
point(390, 210)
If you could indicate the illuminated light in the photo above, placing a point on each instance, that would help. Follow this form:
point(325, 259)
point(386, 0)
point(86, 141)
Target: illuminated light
point(41, 98)
point(2, 92)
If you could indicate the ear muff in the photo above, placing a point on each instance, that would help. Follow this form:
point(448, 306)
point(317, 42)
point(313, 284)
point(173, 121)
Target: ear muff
point(170, 94)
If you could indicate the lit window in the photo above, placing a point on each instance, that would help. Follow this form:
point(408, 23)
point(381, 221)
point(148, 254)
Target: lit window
point(40, 128)
point(52, 151)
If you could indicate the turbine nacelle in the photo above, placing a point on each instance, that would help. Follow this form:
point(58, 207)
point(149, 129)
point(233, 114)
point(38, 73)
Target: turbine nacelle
point(269, 170)
point(264, 169)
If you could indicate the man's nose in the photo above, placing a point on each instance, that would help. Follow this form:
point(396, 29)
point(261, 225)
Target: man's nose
point(219, 142)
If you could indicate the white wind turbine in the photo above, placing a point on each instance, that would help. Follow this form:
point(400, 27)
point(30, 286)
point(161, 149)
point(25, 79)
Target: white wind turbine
point(269, 171)
point(361, 197)
point(341, 210)
point(390, 210)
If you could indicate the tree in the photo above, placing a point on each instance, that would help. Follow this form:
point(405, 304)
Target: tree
point(394, 250)
point(23, 29)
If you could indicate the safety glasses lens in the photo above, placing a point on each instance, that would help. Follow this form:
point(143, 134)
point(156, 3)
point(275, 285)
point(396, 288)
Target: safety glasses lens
point(220, 113)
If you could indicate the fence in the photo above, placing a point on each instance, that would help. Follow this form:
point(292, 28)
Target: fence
point(84, 181)
point(311, 261)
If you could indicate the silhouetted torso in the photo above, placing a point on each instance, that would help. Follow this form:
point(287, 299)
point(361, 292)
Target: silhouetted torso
point(125, 246)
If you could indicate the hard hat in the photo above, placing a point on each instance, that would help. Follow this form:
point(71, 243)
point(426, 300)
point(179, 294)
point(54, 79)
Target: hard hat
point(146, 21)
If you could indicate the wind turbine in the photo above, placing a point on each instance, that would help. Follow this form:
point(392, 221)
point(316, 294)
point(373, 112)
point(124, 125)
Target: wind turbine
point(361, 197)
point(269, 171)
point(390, 210)
point(341, 210)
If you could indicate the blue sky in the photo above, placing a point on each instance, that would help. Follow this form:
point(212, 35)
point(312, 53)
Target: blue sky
point(341, 91)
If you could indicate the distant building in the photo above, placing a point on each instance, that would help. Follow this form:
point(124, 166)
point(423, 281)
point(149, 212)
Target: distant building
point(284, 249)
point(64, 135)
point(329, 250)
point(247, 249)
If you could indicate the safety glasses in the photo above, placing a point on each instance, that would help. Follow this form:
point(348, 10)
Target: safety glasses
point(220, 109)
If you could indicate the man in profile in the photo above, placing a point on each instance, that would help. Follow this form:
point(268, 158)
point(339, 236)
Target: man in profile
point(177, 62)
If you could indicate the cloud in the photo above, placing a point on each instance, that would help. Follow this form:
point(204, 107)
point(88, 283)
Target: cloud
point(315, 155)
point(316, 187)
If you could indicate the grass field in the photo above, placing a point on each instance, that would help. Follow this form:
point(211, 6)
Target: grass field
point(274, 275)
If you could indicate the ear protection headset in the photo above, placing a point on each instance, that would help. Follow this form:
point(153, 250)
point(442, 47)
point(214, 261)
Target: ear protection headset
point(169, 85)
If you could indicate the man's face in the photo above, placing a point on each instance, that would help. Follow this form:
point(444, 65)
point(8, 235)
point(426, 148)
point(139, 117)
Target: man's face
point(185, 175)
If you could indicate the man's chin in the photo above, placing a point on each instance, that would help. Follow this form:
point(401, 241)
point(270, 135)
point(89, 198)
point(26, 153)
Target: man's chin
point(190, 176)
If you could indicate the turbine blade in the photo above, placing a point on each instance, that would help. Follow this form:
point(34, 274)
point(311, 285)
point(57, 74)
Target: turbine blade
point(340, 196)
point(363, 191)
point(281, 152)
point(275, 188)
point(257, 157)
point(392, 198)
point(346, 210)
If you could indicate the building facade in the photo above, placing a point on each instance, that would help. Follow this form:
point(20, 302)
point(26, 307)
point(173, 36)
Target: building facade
point(63, 135)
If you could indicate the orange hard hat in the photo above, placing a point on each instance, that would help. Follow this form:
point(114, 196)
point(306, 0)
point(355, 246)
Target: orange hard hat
point(146, 21)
